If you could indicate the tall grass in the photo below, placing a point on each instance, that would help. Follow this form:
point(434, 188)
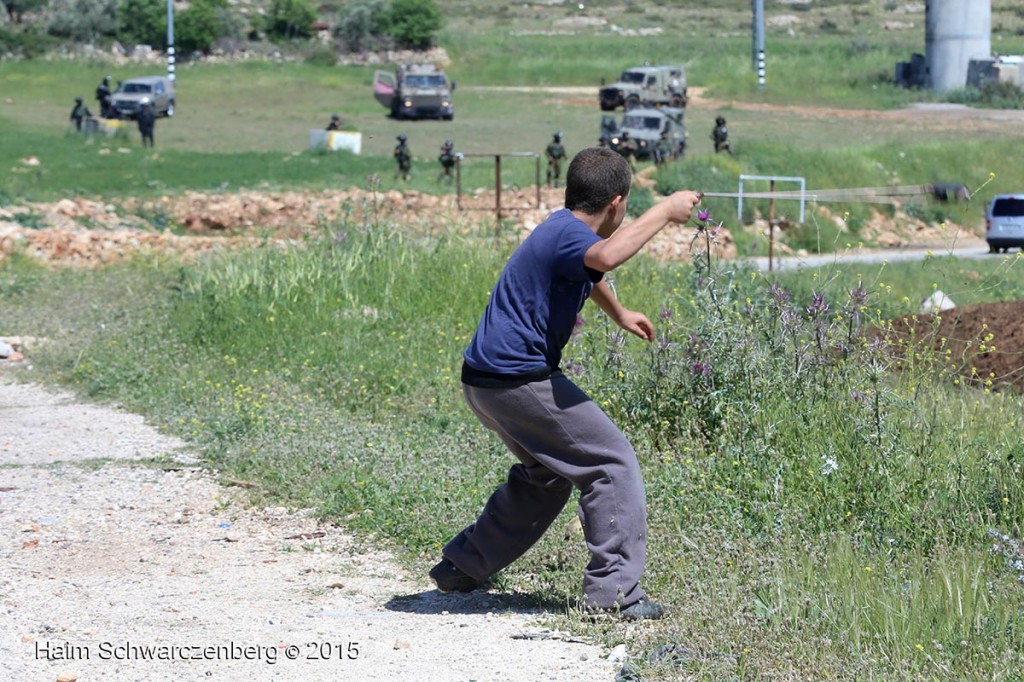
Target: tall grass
point(808, 483)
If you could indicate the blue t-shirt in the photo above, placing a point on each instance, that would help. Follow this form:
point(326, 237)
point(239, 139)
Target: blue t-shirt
point(533, 307)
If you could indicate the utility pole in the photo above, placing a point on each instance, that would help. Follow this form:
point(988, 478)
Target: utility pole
point(758, 52)
point(170, 40)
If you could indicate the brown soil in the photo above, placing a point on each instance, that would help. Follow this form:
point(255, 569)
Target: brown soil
point(985, 342)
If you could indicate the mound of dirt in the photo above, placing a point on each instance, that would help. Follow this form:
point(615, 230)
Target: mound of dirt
point(982, 342)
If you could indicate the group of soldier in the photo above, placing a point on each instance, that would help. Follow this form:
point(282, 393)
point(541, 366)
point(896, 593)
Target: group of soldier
point(403, 159)
point(146, 118)
point(555, 152)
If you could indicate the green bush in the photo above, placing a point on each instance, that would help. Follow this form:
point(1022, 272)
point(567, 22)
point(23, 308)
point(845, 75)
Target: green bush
point(413, 23)
point(142, 22)
point(24, 41)
point(361, 25)
point(287, 19)
point(82, 20)
point(202, 24)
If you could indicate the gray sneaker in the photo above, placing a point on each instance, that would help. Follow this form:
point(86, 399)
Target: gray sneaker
point(644, 609)
point(450, 578)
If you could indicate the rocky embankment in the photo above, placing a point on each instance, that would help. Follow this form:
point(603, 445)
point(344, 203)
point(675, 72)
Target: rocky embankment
point(87, 232)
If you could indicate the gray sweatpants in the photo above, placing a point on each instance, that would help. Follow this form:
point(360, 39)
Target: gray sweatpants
point(562, 439)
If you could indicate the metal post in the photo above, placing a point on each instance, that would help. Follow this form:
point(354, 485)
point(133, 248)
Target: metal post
point(771, 224)
point(537, 166)
point(458, 183)
point(759, 58)
point(170, 40)
point(497, 192)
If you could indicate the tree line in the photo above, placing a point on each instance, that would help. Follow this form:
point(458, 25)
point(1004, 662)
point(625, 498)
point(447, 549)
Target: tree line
point(29, 27)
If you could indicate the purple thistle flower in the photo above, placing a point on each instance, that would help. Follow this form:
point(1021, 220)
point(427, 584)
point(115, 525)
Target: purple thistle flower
point(818, 306)
point(666, 314)
point(858, 296)
point(704, 215)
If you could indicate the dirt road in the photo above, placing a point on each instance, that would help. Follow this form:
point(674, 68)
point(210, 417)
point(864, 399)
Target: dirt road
point(123, 559)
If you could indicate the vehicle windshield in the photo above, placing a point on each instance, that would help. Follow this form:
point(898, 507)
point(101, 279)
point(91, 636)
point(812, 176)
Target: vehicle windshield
point(631, 77)
point(642, 122)
point(136, 87)
point(1008, 208)
point(424, 81)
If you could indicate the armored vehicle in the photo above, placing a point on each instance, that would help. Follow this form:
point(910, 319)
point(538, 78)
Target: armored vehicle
point(415, 91)
point(127, 99)
point(645, 126)
point(647, 86)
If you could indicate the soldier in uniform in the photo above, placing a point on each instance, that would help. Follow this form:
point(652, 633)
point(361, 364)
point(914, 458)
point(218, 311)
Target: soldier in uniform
point(403, 157)
point(447, 160)
point(147, 122)
point(555, 152)
point(79, 113)
point(604, 140)
point(335, 123)
point(720, 136)
point(103, 97)
point(662, 149)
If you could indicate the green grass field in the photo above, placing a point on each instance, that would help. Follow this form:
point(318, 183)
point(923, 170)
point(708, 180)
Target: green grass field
point(820, 508)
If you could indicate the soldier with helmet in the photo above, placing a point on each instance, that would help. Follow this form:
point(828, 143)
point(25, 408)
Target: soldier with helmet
point(147, 122)
point(79, 113)
point(720, 136)
point(403, 157)
point(662, 149)
point(555, 153)
point(103, 97)
point(447, 159)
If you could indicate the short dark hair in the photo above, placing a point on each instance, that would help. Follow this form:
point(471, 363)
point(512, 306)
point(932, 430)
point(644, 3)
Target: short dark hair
point(596, 176)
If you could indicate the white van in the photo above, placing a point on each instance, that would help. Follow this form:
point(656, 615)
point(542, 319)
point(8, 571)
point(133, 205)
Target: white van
point(1004, 222)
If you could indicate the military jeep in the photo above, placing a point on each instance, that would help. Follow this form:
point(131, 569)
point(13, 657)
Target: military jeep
point(127, 100)
point(645, 126)
point(415, 91)
point(646, 86)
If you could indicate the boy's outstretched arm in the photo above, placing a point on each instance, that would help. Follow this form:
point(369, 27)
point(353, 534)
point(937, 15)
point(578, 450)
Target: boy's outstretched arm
point(623, 244)
point(632, 321)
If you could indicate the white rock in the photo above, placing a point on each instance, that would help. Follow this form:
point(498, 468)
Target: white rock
point(937, 302)
point(618, 654)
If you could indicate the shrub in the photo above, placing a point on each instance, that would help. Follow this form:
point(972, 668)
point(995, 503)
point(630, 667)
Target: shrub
point(361, 25)
point(290, 19)
point(413, 23)
point(202, 24)
point(142, 22)
point(322, 56)
point(82, 20)
point(25, 41)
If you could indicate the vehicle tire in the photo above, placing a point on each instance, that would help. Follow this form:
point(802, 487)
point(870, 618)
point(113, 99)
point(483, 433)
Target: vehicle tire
point(607, 107)
point(632, 102)
point(992, 249)
point(676, 102)
point(170, 109)
point(449, 117)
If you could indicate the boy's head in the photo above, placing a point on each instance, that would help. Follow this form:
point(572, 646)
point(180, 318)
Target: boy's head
point(596, 176)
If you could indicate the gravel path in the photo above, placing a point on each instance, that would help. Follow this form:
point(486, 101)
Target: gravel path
point(113, 568)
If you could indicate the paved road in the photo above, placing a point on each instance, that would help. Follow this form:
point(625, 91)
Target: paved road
point(973, 250)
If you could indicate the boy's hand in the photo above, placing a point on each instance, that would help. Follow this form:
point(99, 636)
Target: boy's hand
point(637, 323)
point(679, 205)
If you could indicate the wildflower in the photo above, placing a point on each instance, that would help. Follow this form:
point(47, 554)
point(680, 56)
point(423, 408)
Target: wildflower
point(818, 306)
point(666, 314)
point(829, 465)
point(704, 215)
